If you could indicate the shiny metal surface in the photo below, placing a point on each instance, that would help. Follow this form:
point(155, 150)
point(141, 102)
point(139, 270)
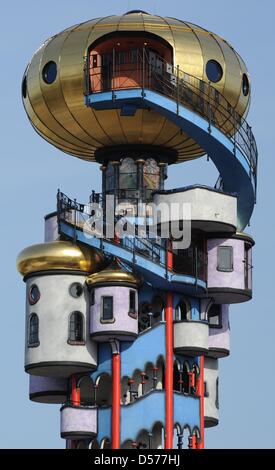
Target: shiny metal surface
point(58, 113)
point(113, 274)
point(59, 255)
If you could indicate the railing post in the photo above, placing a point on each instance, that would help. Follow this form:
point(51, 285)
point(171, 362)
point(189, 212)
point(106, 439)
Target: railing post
point(196, 265)
point(75, 237)
point(143, 71)
point(178, 91)
point(209, 108)
point(113, 75)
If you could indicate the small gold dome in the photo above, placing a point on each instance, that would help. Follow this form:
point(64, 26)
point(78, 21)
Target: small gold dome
point(59, 255)
point(113, 274)
point(55, 105)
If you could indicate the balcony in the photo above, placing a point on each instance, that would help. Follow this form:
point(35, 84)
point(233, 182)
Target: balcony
point(210, 210)
point(78, 422)
point(47, 389)
point(191, 337)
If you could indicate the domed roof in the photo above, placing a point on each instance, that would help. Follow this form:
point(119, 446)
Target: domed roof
point(59, 255)
point(55, 104)
point(113, 274)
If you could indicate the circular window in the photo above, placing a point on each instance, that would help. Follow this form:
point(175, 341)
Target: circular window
point(76, 289)
point(24, 87)
point(49, 72)
point(34, 294)
point(245, 85)
point(214, 71)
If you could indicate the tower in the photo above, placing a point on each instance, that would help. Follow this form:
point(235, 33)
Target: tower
point(125, 325)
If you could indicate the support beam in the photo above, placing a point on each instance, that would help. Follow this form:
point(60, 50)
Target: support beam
point(116, 385)
point(169, 393)
point(200, 445)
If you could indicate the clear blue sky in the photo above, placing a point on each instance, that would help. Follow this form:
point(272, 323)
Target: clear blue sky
point(32, 170)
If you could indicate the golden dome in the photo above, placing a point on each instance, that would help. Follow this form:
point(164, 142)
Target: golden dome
point(58, 112)
point(113, 274)
point(59, 255)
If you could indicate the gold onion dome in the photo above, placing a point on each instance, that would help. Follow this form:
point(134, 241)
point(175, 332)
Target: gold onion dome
point(59, 255)
point(114, 275)
point(54, 83)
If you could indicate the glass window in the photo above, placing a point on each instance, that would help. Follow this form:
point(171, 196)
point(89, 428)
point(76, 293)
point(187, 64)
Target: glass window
point(121, 58)
point(94, 60)
point(245, 85)
point(34, 294)
point(34, 330)
point(24, 87)
point(49, 72)
point(76, 289)
point(225, 258)
point(215, 316)
point(134, 56)
point(214, 71)
point(217, 394)
point(76, 333)
point(132, 301)
point(128, 174)
point(107, 309)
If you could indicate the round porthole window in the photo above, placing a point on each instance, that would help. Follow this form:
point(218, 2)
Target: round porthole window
point(24, 87)
point(245, 85)
point(214, 71)
point(34, 294)
point(76, 289)
point(49, 72)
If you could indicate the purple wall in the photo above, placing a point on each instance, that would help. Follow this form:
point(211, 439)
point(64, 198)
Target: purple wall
point(78, 420)
point(123, 322)
point(234, 279)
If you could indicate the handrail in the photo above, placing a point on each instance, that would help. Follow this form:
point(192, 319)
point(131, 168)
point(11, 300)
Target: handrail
point(185, 89)
point(192, 261)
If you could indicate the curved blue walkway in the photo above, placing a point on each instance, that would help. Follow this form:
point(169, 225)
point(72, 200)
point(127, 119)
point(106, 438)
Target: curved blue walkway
point(232, 166)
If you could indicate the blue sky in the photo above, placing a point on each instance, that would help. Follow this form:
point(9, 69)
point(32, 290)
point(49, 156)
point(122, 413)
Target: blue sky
point(32, 170)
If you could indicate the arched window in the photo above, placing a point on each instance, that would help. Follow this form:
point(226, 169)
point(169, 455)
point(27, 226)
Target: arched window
point(76, 328)
point(183, 311)
point(33, 330)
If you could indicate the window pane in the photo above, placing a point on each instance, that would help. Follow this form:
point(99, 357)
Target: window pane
point(225, 258)
point(76, 327)
point(132, 301)
point(107, 313)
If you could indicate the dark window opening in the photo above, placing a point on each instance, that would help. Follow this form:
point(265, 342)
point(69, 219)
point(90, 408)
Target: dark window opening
point(183, 311)
point(34, 294)
point(217, 394)
point(24, 87)
point(215, 316)
point(225, 258)
point(76, 289)
point(245, 85)
point(92, 297)
point(107, 314)
point(94, 60)
point(214, 71)
point(34, 330)
point(132, 301)
point(49, 72)
point(76, 330)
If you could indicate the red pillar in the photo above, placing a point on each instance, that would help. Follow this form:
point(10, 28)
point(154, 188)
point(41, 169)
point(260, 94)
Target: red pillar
point(169, 370)
point(75, 395)
point(169, 255)
point(116, 401)
point(200, 445)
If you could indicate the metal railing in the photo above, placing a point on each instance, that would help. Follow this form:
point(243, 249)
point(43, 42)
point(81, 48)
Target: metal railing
point(184, 89)
point(190, 262)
